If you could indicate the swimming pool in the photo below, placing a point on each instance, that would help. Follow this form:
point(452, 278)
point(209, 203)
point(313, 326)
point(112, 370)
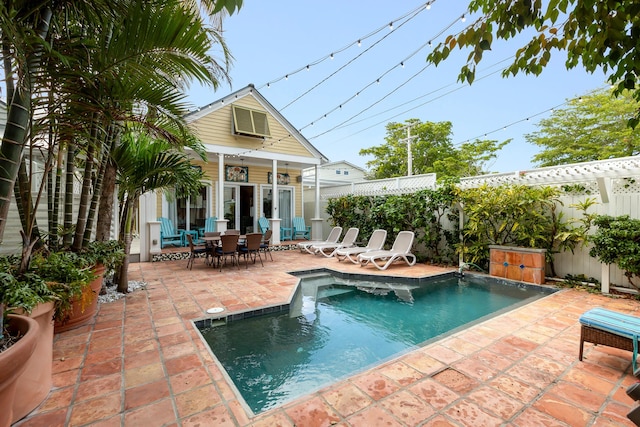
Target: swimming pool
point(336, 326)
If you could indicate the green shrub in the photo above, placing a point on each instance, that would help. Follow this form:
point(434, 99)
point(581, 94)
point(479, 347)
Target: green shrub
point(617, 241)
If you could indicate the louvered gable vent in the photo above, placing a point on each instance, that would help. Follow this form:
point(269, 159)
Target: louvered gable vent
point(250, 122)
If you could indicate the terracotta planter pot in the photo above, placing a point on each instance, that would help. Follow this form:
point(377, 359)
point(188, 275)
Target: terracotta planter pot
point(34, 383)
point(78, 316)
point(13, 362)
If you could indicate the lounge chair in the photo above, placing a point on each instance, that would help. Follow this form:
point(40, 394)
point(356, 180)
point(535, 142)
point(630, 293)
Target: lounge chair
point(168, 234)
point(401, 250)
point(610, 328)
point(329, 249)
point(333, 237)
point(375, 243)
point(209, 225)
point(263, 224)
point(300, 228)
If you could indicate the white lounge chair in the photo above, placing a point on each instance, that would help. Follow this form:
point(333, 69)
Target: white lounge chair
point(328, 249)
point(375, 243)
point(333, 237)
point(401, 250)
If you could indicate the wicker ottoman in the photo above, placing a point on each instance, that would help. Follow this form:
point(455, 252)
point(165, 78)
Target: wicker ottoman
point(610, 328)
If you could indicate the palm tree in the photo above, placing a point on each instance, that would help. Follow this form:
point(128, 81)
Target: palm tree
point(146, 164)
point(102, 73)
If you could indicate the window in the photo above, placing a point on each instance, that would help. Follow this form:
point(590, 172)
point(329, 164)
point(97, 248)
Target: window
point(345, 173)
point(337, 171)
point(250, 122)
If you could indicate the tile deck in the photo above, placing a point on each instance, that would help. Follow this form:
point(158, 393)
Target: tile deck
point(142, 362)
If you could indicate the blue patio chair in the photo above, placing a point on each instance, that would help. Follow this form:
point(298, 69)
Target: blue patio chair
point(300, 229)
point(168, 234)
point(263, 224)
point(209, 225)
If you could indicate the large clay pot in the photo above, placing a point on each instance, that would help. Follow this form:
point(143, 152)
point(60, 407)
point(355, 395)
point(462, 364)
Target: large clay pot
point(13, 362)
point(79, 317)
point(35, 382)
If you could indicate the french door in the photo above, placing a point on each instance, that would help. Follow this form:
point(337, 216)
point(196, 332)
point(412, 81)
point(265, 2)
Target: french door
point(285, 203)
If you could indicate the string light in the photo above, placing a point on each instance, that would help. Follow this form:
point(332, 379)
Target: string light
point(406, 16)
point(463, 19)
point(377, 80)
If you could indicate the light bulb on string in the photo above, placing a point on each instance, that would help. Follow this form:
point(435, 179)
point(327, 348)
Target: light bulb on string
point(428, 6)
point(331, 56)
point(359, 43)
point(402, 64)
point(391, 26)
point(286, 77)
point(463, 19)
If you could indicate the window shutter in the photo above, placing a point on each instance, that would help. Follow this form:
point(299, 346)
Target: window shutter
point(250, 122)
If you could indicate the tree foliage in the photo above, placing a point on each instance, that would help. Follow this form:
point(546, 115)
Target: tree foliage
point(617, 241)
point(594, 34)
point(432, 152)
point(592, 127)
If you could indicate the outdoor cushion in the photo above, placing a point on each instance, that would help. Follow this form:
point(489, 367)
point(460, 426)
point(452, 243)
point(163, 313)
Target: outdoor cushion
point(614, 323)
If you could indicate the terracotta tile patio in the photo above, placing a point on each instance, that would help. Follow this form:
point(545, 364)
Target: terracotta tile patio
point(143, 363)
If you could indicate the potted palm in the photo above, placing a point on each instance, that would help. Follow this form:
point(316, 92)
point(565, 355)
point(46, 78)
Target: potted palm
point(69, 276)
point(25, 366)
point(105, 256)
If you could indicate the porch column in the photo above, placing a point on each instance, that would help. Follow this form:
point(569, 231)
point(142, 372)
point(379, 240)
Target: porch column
point(274, 222)
point(221, 223)
point(149, 227)
point(316, 221)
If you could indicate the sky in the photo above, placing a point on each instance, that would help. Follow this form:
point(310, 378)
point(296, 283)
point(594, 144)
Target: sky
point(342, 105)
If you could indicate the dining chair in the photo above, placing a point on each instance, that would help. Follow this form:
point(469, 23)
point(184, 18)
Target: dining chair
point(195, 251)
point(228, 248)
point(251, 247)
point(265, 246)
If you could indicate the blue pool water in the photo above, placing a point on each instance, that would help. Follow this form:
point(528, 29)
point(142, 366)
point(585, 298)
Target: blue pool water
point(336, 327)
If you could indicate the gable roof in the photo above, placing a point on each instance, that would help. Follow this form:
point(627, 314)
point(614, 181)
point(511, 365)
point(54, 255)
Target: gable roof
point(250, 90)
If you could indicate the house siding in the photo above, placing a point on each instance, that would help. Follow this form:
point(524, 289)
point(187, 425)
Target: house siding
point(217, 128)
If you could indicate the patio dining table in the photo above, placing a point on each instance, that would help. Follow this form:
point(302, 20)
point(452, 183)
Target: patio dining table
point(215, 240)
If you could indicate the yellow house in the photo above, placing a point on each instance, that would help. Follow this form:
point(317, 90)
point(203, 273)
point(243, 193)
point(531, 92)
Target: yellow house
point(248, 142)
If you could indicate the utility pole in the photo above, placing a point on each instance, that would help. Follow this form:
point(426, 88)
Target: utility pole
point(409, 154)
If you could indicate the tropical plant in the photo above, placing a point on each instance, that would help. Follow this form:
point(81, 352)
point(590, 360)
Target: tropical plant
point(146, 164)
point(508, 215)
point(74, 71)
point(109, 253)
point(617, 241)
point(594, 34)
point(425, 212)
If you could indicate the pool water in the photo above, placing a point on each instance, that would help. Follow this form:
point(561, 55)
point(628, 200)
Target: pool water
point(336, 327)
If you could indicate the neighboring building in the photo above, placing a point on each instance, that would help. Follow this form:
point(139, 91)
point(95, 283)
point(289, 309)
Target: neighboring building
point(334, 173)
point(329, 174)
point(247, 142)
